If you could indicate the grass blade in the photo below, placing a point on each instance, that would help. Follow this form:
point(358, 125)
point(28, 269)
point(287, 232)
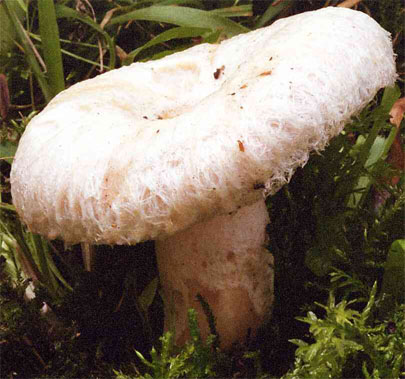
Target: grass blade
point(7, 151)
point(271, 12)
point(39, 252)
point(182, 16)
point(70, 54)
point(28, 50)
point(63, 11)
point(179, 32)
point(235, 11)
point(194, 3)
point(381, 114)
point(51, 45)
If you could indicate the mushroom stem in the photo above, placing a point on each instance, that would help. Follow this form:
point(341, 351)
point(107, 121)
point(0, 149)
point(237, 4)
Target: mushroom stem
point(226, 262)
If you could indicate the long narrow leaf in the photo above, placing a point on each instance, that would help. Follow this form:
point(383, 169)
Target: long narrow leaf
point(389, 97)
point(236, 11)
point(7, 151)
point(51, 45)
point(182, 16)
point(65, 12)
point(7, 207)
point(29, 53)
point(194, 3)
point(82, 59)
point(33, 253)
point(58, 274)
point(11, 266)
point(70, 54)
point(41, 256)
point(271, 12)
point(24, 256)
point(7, 30)
point(179, 32)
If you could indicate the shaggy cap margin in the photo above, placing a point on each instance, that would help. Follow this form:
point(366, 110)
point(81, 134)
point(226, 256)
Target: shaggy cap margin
point(147, 150)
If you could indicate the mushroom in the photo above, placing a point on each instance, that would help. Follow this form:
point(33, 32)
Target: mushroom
point(184, 150)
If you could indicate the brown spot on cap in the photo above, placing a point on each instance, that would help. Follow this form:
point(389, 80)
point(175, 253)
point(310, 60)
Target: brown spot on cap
point(265, 73)
point(218, 72)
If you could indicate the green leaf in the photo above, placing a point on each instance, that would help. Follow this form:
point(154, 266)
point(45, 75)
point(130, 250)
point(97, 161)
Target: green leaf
point(28, 48)
point(390, 96)
point(312, 316)
point(174, 33)
point(7, 31)
point(193, 326)
point(143, 359)
point(369, 149)
point(7, 150)
point(148, 294)
point(364, 183)
point(235, 11)
point(12, 266)
point(370, 304)
point(376, 151)
point(51, 45)
point(313, 350)
point(182, 16)
point(194, 3)
point(212, 37)
point(271, 12)
point(298, 342)
point(394, 273)
point(63, 11)
point(70, 54)
point(338, 343)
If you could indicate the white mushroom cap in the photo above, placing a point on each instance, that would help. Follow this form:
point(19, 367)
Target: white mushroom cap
point(148, 150)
